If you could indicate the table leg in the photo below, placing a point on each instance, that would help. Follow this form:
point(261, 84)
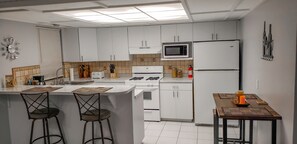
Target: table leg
point(251, 132)
point(273, 138)
point(225, 131)
point(243, 131)
point(216, 127)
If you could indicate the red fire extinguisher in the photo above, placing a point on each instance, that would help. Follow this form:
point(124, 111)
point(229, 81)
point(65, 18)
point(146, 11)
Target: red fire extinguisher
point(190, 72)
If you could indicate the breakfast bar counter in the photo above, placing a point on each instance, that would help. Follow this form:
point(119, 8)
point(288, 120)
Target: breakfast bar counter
point(119, 100)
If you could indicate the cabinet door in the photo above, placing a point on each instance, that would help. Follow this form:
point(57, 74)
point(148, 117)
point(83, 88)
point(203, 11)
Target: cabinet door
point(184, 105)
point(226, 30)
point(203, 31)
point(120, 44)
point(88, 44)
point(152, 37)
point(168, 33)
point(167, 104)
point(104, 37)
point(184, 32)
point(135, 35)
point(70, 45)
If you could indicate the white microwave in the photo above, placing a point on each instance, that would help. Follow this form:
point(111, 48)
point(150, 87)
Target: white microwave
point(176, 50)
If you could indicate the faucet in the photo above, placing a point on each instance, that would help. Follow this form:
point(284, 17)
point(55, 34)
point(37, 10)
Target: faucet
point(57, 77)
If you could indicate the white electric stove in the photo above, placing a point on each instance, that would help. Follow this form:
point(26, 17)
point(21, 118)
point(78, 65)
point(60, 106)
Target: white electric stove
point(148, 79)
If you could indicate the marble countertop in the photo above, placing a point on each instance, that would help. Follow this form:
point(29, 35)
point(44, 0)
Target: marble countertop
point(179, 80)
point(67, 89)
point(112, 80)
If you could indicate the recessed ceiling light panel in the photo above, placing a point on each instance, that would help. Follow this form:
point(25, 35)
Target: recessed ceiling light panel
point(162, 7)
point(113, 11)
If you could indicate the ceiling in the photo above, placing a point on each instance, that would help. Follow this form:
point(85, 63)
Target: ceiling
point(196, 10)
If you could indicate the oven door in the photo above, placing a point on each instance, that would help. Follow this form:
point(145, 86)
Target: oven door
point(151, 99)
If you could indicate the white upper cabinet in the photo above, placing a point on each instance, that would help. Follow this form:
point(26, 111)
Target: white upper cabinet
point(70, 45)
point(144, 39)
point(88, 44)
point(120, 44)
point(104, 37)
point(177, 33)
point(226, 30)
point(113, 44)
point(209, 31)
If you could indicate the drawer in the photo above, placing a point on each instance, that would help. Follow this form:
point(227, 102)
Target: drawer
point(173, 86)
point(152, 115)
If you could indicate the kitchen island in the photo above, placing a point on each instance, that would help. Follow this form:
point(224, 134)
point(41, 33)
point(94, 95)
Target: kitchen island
point(120, 100)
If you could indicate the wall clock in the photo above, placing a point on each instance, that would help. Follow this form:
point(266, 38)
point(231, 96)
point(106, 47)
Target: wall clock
point(9, 48)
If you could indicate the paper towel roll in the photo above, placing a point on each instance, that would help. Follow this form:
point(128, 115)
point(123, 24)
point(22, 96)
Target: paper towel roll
point(71, 73)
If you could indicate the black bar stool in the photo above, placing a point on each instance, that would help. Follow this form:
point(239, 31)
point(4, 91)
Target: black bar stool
point(37, 104)
point(90, 111)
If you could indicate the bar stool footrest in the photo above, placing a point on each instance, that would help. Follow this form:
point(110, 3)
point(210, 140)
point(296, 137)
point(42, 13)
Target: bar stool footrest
point(41, 137)
point(99, 138)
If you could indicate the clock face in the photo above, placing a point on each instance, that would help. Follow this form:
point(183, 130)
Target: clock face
point(10, 48)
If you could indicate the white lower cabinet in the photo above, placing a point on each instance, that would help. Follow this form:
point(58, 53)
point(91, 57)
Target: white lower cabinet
point(176, 101)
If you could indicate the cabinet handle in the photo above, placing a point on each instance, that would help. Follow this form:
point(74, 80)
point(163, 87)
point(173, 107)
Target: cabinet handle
point(113, 57)
point(177, 93)
point(110, 57)
point(178, 38)
point(82, 58)
point(211, 36)
point(174, 38)
point(216, 36)
point(172, 93)
point(146, 43)
point(141, 43)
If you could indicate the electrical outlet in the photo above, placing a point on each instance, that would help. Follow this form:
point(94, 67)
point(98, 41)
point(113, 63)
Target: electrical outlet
point(104, 68)
point(257, 84)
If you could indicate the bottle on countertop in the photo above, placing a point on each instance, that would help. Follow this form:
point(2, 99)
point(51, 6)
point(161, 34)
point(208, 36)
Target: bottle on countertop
point(174, 72)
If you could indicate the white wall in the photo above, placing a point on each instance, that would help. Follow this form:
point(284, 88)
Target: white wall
point(27, 36)
point(277, 77)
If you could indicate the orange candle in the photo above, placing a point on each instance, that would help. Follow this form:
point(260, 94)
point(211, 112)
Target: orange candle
point(242, 99)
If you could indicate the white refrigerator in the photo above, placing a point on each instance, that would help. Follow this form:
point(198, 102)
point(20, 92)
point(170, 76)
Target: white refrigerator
point(216, 69)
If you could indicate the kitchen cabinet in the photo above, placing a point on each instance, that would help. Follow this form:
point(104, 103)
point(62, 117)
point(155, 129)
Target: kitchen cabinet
point(144, 39)
point(177, 33)
point(113, 44)
point(176, 101)
point(208, 31)
point(70, 45)
point(88, 44)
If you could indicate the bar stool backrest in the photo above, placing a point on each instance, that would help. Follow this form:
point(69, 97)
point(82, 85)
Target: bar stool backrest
point(88, 104)
point(36, 102)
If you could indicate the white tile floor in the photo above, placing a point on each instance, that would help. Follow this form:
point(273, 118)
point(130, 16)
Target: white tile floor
point(166, 132)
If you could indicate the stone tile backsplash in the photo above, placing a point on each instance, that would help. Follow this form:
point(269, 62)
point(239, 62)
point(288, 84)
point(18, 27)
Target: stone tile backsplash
point(124, 67)
point(23, 74)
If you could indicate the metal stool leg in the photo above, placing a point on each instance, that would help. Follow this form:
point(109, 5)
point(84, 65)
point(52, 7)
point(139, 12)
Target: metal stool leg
point(32, 131)
point(110, 131)
point(44, 133)
point(102, 135)
point(47, 130)
point(84, 133)
point(58, 123)
point(93, 141)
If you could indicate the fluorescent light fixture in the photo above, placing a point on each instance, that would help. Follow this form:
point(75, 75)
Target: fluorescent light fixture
point(147, 13)
point(77, 13)
point(168, 15)
point(100, 19)
point(162, 7)
point(133, 17)
point(122, 10)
